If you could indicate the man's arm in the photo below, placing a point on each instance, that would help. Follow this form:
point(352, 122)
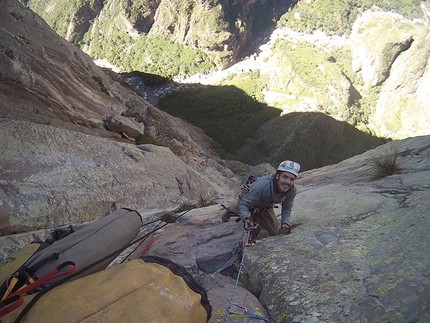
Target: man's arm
point(244, 206)
point(253, 197)
point(287, 206)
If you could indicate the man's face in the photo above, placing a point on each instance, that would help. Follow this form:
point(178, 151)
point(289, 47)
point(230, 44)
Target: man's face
point(285, 180)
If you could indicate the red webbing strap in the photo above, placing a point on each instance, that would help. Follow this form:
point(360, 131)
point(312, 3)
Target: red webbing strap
point(55, 273)
point(10, 304)
point(15, 300)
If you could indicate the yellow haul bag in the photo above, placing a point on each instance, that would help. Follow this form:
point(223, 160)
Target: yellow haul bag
point(86, 251)
point(150, 289)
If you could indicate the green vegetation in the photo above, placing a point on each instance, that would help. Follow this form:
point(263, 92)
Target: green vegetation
point(305, 72)
point(385, 164)
point(226, 114)
point(159, 55)
point(342, 57)
point(58, 14)
point(336, 17)
point(138, 9)
point(307, 62)
point(109, 38)
point(203, 200)
point(252, 83)
point(207, 27)
point(300, 133)
point(147, 139)
point(363, 109)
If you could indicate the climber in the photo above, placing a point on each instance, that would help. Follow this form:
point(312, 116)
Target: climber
point(264, 193)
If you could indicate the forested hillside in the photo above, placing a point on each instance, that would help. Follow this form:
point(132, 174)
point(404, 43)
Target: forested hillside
point(361, 62)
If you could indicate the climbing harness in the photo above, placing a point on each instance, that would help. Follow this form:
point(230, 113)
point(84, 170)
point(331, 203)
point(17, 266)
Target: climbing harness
point(231, 304)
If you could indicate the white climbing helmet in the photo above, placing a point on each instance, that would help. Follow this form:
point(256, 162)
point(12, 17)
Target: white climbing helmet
point(289, 166)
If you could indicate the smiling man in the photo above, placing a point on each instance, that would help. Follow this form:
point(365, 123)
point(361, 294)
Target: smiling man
point(256, 208)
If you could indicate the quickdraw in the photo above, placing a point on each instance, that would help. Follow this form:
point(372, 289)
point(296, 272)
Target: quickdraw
point(245, 312)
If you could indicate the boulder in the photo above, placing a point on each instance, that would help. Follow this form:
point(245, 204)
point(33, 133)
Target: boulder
point(125, 126)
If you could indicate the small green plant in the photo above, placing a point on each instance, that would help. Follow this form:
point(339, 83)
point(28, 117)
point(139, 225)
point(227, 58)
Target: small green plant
point(203, 200)
point(147, 139)
point(385, 164)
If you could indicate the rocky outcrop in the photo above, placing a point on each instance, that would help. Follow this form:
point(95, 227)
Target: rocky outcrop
point(220, 28)
point(59, 164)
point(376, 46)
point(389, 62)
point(47, 80)
point(52, 177)
point(355, 253)
point(126, 126)
point(397, 63)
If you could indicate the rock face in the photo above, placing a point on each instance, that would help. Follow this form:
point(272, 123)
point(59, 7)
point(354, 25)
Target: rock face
point(52, 177)
point(59, 164)
point(61, 82)
point(358, 250)
point(393, 53)
point(356, 253)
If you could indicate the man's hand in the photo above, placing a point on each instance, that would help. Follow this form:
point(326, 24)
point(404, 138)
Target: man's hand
point(286, 228)
point(245, 188)
point(247, 223)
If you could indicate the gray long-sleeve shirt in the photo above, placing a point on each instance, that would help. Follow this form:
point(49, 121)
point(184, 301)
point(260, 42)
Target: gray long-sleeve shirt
point(264, 193)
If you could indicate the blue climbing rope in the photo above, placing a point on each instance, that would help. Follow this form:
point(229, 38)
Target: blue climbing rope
point(244, 311)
